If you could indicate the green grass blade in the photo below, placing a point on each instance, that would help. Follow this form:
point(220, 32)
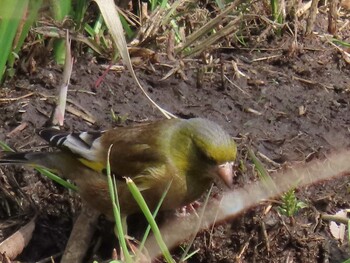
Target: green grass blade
point(34, 6)
point(154, 216)
point(129, 32)
point(56, 178)
point(276, 12)
point(61, 9)
point(349, 230)
point(79, 11)
point(11, 13)
point(5, 147)
point(116, 210)
point(147, 213)
point(190, 255)
point(340, 42)
point(263, 174)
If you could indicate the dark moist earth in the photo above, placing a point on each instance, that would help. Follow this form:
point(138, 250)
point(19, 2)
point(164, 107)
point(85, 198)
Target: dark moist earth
point(291, 105)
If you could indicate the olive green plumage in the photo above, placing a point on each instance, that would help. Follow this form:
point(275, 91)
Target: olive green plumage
point(188, 153)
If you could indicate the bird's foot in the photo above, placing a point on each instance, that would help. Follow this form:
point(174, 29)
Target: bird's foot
point(188, 209)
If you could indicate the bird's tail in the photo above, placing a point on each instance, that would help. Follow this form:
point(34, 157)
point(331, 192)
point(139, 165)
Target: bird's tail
point(63, 163)
point(29, 158)
point(55, 161)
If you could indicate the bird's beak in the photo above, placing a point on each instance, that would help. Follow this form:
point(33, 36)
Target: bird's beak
point(225, 172)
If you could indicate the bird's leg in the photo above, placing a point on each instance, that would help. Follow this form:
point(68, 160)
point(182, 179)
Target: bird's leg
point(125, 228)
point(125, 225)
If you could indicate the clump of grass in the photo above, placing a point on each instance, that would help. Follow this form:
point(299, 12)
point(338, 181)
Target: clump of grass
point(290, 204)
point(16, 20)
point(90, 26)
point(120, 119)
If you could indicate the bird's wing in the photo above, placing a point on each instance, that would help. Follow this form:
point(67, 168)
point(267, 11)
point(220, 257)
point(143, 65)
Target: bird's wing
point(133, 150)
point(80, 143)
point(84, 145)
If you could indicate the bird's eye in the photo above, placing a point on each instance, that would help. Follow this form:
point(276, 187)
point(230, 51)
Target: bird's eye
point(210, 160)
point(203, 156)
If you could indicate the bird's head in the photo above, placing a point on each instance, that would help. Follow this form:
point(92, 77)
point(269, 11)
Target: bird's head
point(215, 146)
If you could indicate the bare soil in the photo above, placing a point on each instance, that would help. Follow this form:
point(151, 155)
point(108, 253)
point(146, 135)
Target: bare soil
point(292, 105)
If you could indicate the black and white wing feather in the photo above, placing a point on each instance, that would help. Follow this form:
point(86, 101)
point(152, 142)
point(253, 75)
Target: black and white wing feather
point(83, 144)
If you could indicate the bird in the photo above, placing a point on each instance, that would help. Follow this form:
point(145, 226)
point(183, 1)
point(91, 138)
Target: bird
point(188, 154)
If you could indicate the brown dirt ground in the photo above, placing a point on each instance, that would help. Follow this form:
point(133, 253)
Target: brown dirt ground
point(262, 110)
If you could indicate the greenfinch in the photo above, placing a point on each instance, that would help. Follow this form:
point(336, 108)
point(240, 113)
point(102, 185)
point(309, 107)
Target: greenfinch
point(187, 154)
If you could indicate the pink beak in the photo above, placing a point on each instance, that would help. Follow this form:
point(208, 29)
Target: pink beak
point(225, 172)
